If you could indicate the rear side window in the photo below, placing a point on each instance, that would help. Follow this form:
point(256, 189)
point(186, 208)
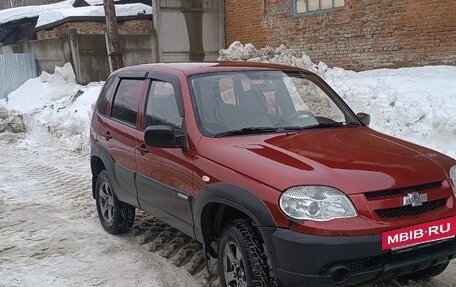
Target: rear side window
point(126, 101)
point(103, 99)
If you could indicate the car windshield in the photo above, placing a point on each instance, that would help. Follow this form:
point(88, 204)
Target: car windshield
point(249, 102)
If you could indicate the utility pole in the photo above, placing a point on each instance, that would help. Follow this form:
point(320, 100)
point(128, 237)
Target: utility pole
point(112, 36)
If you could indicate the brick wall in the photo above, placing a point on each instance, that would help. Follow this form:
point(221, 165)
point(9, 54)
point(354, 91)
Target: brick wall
point(365, 34)
point(130, 27)
point(243, 21)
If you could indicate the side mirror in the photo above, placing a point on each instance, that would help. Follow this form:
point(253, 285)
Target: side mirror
point(364, 118)
point(160, 136)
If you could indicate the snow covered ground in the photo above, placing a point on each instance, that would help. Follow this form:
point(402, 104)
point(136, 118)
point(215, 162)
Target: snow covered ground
point(50, 235)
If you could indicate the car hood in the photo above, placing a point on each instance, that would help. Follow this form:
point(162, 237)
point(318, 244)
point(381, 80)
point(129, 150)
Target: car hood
point(354, 160)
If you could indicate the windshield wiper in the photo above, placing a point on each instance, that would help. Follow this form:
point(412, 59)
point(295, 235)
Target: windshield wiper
point(247, 131)
point(331, 125)
point(259, 130)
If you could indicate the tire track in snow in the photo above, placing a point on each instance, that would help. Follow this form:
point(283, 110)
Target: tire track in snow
point(72, 184)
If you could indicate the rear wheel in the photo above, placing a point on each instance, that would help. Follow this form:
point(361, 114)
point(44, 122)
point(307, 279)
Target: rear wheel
point(242, 260)
point(424, 274)
point(115, 216)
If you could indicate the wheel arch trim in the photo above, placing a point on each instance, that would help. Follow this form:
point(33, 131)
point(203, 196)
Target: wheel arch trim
point(233, 196)
point(98, 151)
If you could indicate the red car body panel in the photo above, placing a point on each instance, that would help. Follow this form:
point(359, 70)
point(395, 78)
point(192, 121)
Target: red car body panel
point(369, 162)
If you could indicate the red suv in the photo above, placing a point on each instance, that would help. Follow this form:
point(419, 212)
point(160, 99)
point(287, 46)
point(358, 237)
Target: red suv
point(272, 172)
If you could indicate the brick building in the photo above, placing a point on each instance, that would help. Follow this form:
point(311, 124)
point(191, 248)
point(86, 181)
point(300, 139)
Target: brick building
point(354, 34)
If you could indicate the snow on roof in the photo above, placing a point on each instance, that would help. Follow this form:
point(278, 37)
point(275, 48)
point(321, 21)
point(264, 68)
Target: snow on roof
point(51, 13)
point(52, 16)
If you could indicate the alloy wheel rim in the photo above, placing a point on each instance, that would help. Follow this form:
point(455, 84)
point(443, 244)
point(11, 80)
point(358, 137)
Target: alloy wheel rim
point(233, 266)
point(106, 202)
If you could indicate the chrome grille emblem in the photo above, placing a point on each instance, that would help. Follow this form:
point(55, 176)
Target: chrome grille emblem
point(414, 199)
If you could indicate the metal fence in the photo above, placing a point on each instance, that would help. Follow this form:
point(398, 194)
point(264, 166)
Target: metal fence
point(15, 69)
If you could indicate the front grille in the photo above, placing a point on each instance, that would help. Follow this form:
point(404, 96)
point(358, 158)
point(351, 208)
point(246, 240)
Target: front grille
point(410, 210)
point(402, 191)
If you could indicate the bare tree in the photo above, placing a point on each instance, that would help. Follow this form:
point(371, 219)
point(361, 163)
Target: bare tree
point(112, 33)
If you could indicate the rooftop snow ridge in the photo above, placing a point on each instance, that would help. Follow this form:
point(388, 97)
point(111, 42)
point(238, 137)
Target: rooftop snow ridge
point(51, 13)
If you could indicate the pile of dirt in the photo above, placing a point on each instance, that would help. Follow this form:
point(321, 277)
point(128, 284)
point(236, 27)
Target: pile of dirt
point(11, 125)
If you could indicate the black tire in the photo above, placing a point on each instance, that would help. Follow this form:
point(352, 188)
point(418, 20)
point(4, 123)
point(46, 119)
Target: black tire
point(115, 216)
point(252, 270)
point(424, 274)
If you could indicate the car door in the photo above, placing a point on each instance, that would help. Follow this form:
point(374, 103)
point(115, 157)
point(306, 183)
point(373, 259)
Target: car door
point(119, 133)
point(164, 179)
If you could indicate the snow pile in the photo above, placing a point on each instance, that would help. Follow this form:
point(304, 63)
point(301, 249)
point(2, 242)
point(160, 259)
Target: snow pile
point(415, 104)
point(44, 89)
point(55, 105)
point(281, 55)
point(52, 13)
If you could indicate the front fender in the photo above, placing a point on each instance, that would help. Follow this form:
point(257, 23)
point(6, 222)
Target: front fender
point(234, 196)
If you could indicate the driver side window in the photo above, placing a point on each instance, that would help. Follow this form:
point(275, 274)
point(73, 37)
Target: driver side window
point(162, 108)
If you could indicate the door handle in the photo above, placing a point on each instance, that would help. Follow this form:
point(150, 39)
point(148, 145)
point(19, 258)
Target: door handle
point(107, 135)
point(142, 149)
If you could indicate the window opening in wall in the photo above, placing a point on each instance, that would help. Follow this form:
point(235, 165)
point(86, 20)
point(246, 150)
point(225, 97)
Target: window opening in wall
point(302, 7)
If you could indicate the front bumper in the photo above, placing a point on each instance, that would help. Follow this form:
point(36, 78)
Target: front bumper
point(303, 260)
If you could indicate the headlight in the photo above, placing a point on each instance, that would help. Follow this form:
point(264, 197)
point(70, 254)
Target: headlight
point(318, 203)
point(453, 178)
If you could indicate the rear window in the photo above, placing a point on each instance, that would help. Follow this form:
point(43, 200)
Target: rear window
point(103, 99)
point(126, 101)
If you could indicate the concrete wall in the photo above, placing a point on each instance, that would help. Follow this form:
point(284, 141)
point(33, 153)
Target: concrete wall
point(201, 42)
point(48, 53)
point(93, 62)
point(87, 53)
point(137, 49)
point(362, 35)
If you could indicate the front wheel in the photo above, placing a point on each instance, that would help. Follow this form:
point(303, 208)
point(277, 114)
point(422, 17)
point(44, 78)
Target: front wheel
point(116, 217)
point(242, 260)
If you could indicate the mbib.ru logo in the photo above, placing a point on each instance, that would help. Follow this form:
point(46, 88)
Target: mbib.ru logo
point(420, 233)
